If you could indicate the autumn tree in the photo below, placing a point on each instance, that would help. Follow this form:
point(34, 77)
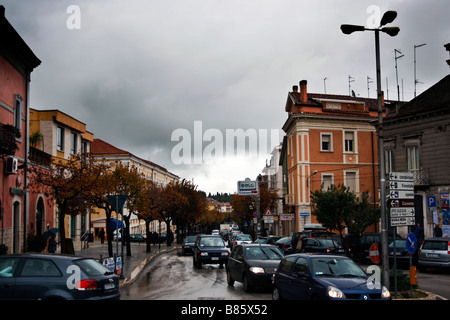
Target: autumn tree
point(67, 181)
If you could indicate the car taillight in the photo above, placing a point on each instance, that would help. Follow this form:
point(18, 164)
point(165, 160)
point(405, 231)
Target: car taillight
point(88, 284)
point(448, 247)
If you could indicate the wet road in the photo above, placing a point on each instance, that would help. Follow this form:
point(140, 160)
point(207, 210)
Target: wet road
point(173, 277)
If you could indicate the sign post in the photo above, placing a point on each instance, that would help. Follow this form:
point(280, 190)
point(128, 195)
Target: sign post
point(251, 188)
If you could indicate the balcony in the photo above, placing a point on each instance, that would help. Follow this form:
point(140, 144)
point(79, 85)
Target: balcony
point(40, 157)
point(421, 177)
point(8, 135)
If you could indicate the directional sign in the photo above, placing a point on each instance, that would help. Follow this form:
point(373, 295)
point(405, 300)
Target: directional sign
point(401, 176)
point(401, 194)
point(401, 185)
point(400, 203)
point(403, 221)
point(411, 243)
point(402, 212)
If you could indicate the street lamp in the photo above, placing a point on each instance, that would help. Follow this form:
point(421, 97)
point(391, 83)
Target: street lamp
point(388, 17)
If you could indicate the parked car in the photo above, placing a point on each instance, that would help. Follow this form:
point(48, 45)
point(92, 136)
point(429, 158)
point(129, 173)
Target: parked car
point(44, 277)
point(402, 254)
point(366, 241)
point(285, 245)
point(242, 238)
point(215, 232)
point(188, 244)
point(267, 240)
point(434, 253)
point(322, 245)
point(137, 238)
point(253, 265)
point(209, 249)
point(323, 277)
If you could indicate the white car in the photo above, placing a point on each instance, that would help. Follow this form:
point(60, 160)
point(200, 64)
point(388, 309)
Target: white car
point(242, 238)
point(215, 232)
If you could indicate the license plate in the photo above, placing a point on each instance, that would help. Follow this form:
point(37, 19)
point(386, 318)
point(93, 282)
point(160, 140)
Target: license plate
point(109, 286)
point(214, 258)
point(433, 255)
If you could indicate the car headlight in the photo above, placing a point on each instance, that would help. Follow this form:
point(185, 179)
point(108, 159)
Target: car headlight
point(257, 270)
point(335, 293)
point(203, 254)
point(385, 292)
point(225, 253)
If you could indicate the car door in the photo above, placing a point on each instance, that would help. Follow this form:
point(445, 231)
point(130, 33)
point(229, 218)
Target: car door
point(9, 267)
point(237, 262)
point(301, 280)
point(284, 278)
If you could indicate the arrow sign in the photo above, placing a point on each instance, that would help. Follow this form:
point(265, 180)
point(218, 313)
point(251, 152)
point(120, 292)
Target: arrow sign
point(399, 185)
point(402, 221)
point(411, 243)
point(401, 194)
point(401, 176)
point(401, 203)
point(403, 212)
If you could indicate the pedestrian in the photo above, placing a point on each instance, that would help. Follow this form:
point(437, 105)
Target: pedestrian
point(51, 244)
point(419, 234)
point(437, 231)
point(101, 235)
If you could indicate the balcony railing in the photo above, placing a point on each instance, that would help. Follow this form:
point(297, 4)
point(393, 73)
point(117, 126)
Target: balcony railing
point(422, 177)
point(40, 157)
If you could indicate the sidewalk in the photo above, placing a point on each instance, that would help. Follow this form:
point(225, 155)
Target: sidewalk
point(133, 265)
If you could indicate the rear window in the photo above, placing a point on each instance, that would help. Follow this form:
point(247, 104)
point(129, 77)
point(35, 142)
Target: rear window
point(435, 245)
point(92, 267)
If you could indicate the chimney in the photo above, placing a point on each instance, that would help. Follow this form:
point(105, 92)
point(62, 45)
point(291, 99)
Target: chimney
point(303, 91)
point(447, 47)
point(295, 89)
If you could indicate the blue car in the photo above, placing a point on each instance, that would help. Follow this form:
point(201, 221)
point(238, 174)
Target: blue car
point(324, 277)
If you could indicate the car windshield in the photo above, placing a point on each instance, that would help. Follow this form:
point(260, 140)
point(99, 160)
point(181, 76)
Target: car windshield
point(260, 240)
point(92, 267)
point(243, 237)
point(328, 243)
point(212, 242)
point(336, 267)
point(435, 245)
point(190, 239)
point(263, 253)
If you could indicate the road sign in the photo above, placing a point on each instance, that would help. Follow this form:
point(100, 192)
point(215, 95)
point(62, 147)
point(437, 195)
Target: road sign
point(401, 185)
point(402, 221)
point(401, 194)
point(402, 212)
point(268, 213)
point(401, 176)
point(400, 203)
point(374, 253)
point(247, 187)
point(411, 243)
point(431, 201)
point(304, 214)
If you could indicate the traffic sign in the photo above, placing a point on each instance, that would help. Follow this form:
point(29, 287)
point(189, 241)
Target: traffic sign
point(403, 212)
point(431, 201)
point(400, 185)
point(401, 194)
point(400, 203)
point(374, 253)
point(411, 243)
point(401, 176)
point(268, 213)
point(402, 221)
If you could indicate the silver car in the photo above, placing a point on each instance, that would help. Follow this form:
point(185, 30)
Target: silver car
point(434, 253)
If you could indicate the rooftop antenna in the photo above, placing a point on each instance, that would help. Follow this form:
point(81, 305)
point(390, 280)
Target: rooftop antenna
point(350, 80)
point(415, 79)
point(396, 70)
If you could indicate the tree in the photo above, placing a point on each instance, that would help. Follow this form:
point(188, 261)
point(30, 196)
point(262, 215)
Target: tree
point(338, 208)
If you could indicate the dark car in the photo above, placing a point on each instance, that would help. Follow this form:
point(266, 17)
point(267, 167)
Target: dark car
point(188, 244)
point(285, 245)
point(324, 277)
point(402, 254)
point(42, 277)
point(322, 245)
point(366, 241)
point(253, 265)
point(137, 238)
point(267, 240)
point(209, 249)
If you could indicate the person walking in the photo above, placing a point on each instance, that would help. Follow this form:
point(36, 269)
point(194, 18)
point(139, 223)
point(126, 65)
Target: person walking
point(101, 235)
point(437, 231)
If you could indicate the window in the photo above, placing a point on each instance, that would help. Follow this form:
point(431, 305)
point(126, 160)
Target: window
point(84, 146)
point(301, 266)
point(60, 139)
point(350, 181)
point(18, 108)
point(327, 181)
point(73, 143)
point(389, 161)
point(413, 158)
point(326, 142)
point(349, 141)
point(40, 268)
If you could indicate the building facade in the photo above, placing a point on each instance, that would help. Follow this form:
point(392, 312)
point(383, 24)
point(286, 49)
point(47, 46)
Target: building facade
point(329, 140)
point(18, 208)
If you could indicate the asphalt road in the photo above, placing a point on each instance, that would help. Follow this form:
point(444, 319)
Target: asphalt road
point(173, 277)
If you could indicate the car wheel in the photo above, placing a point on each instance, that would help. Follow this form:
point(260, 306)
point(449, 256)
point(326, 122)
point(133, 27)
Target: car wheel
point(247, 286)
point(276, 295)
point(230, 280)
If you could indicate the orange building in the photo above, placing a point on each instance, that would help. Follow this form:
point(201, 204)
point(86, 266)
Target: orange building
point(330, 140)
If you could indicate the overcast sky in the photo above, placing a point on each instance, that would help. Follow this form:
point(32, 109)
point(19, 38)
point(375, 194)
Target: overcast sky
point(145, 75)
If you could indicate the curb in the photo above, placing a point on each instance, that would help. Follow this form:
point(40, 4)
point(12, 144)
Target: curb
point(135, 273)
point(431, 296)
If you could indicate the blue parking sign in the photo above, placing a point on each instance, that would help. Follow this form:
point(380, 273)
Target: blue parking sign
point(431, 201)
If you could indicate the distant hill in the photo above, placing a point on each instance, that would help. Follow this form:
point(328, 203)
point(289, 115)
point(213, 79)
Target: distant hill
point(221, 197)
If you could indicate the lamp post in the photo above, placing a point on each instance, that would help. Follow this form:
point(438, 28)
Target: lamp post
point(388, 17)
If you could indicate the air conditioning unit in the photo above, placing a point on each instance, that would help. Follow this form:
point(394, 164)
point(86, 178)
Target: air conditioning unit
point(11, 165)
